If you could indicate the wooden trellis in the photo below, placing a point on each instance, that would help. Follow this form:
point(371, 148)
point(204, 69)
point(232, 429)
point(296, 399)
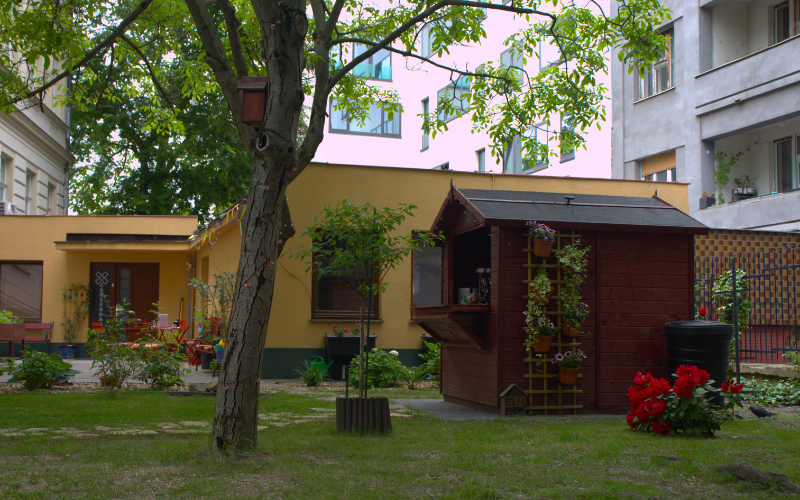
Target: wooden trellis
point(541, 371)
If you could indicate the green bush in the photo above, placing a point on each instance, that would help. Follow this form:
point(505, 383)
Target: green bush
point(161, 368)
point(783, 392)
point(38, 370)
point(8, 317)
point(313, 372)
point(384, 370)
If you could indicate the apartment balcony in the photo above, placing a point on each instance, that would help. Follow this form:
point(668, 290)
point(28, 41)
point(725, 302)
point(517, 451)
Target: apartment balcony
point(776, 212)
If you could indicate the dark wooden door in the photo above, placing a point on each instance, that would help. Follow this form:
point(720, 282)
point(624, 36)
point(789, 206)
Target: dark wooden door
point(133, 284)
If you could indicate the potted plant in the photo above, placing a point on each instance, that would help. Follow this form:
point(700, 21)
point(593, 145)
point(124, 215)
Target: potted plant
point(574, 262)
point(568, 366)
point(540, 290)
point(543, 238)
point(77, 298)
point(707, 200)
point(540, 335)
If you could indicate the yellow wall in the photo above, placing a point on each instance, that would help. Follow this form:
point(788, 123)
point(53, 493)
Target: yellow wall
point(290, 324)
point(32, 238)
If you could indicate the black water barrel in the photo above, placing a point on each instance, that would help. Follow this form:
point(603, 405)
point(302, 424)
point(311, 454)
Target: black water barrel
point(705, 344)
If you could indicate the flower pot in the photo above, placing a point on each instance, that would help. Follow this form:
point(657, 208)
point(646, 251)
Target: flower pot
point(707, 202)
point(542, 248)
point(541, 343)
point(541, 300)
point(68, 351)
point(572, 330)
point(568, 376)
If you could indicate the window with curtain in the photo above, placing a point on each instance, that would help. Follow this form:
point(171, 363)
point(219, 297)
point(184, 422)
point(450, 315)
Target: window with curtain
point(21, 290)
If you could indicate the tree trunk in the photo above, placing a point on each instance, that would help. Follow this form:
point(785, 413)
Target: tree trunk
point(266, 225)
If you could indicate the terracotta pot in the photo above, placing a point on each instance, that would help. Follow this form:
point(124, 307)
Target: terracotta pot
point(542, 248)
point(539, 300)
point(572, 330)
point(541, 343)
point(568, 376)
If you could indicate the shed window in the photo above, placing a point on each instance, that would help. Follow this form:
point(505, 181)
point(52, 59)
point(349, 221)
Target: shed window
point(426, 277)
point(21, 290)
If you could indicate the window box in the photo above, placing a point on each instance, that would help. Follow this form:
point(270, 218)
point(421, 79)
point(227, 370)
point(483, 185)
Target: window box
point(706, 202)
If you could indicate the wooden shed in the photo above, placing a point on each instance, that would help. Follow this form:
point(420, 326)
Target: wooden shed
point(639, 276)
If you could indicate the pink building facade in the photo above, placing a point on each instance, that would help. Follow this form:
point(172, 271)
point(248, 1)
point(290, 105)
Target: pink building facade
point(400, 142)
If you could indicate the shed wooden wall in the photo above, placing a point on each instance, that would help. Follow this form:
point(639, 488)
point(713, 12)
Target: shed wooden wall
point(646, 280)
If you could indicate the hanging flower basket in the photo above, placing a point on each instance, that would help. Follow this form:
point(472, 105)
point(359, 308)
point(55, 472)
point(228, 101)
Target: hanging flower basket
point(541, 343)
point(568, 376)
point(541, 300)
point(572, 329)
point(542, 248)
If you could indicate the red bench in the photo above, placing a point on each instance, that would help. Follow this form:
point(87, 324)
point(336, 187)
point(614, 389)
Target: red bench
point(18, 332)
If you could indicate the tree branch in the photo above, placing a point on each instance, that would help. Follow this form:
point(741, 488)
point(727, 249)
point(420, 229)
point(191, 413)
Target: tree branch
point(119, 30)
point(421, 17)
point(108, 80)
point(149, 70)
point(218, 62)
point(229, 12)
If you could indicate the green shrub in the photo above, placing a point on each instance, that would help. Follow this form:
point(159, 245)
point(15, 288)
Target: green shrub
point(313, 372)
point(783, 392)
point(384, 370)
point(38, 370)
point(161, 368)
point(8, 317)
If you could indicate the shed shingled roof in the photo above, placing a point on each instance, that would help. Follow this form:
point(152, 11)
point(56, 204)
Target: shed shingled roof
point(583, 209)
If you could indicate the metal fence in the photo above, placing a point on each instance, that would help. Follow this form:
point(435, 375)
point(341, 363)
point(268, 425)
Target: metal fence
point(772, 286)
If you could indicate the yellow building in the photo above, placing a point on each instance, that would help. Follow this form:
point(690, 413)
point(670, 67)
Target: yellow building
point(160, 254)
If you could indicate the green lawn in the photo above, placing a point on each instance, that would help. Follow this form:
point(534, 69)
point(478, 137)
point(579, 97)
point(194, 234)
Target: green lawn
point(423, 457)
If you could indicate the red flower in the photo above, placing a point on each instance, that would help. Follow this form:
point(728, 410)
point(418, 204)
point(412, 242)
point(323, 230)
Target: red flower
point(642, 380)
point(701, 311)
point(731, 388)
point(658, 387)
point(660, 427)
point(684, 386)
point(630, 421)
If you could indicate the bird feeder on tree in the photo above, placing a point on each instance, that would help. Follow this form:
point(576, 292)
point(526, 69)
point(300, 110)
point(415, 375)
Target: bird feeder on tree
point(254, 99)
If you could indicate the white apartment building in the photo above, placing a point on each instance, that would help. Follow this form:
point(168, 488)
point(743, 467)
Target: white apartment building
point(730, 84)
point(34, 157)
point(400, 141)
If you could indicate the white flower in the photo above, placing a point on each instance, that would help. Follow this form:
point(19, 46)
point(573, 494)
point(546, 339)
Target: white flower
point(394, 353)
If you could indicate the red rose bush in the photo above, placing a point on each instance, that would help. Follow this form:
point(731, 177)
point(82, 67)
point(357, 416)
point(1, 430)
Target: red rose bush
point(682, 408)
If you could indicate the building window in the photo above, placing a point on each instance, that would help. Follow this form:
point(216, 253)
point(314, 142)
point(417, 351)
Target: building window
point(660, 167)
point(786, 180)
point(28, 192)
point(513, 160)
point(51, 199)
point(21, 290)
point(480, 156)
point(336, 295)
point(425, 112)
point(426, 276)
point(377, 67)
point(512, 60)
point(662, 176)
point(377, 122)
point(781, 22)
point(659, 76)
point(567, 132)
point(3, 162)
point(457, 95)
point(443, 166)
point(549, 53)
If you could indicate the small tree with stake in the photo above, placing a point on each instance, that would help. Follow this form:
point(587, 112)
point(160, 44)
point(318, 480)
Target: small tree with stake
point(359, 245)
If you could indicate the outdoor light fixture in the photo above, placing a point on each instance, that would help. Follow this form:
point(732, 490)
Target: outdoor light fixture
point(254, 99)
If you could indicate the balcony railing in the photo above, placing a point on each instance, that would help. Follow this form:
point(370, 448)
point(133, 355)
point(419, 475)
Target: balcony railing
point(378, 71)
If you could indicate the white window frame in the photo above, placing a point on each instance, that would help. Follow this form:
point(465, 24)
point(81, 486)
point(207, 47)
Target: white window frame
point(458, 88)
point(515, 163)
point(384, 121)
point(480, 158)
point(512, 59)
point(383, 54)
point(3, 185)
point(29, 179)
point(670, 174)
point(793, 167)
point(569, 154)
point(648, 86)
point(790, 15)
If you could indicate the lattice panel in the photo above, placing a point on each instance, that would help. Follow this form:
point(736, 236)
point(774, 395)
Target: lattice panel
point(542, 375)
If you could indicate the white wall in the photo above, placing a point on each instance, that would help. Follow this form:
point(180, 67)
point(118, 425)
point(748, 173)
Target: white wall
point(458, 145)
point(729, 32)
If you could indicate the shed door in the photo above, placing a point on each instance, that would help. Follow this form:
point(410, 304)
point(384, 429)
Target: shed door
point(124, 283)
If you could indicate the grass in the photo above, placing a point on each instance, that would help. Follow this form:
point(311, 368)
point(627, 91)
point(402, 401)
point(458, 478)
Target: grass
point(423, 458)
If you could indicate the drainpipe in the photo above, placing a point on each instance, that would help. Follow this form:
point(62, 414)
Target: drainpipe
point(191, 288)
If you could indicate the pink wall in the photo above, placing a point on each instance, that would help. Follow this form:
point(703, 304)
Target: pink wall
point(415, 81)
